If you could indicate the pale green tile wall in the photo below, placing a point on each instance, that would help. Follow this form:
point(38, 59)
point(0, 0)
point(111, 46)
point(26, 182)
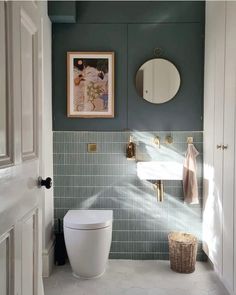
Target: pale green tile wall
point(106, 180)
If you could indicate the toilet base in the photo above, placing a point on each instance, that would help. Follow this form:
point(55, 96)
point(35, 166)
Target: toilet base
point(88, 251)
point(88, 278)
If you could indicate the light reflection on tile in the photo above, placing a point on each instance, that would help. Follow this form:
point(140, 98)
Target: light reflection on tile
point(107, 180)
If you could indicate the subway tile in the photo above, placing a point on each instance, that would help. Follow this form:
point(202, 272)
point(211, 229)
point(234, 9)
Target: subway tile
point(119, 255)
point(106, 180)
point(94, 170)
point(59, 159)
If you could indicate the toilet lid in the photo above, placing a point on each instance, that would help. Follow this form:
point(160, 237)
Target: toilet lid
point(88, 219)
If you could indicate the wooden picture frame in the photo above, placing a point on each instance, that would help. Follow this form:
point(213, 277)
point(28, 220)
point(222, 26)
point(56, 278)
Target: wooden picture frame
point(90, 84)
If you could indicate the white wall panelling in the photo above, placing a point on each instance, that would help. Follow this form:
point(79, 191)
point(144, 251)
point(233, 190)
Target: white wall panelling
point(29, 253)
point(29, 78)
point(229, 153)
point(213, 129)
point(219, 139)
point(3, 81)
point(6, 268)
point(5, 91)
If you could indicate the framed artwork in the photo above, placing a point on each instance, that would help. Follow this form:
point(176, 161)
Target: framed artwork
point(90, 84)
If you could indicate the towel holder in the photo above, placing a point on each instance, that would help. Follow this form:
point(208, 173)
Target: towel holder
point(189, 140)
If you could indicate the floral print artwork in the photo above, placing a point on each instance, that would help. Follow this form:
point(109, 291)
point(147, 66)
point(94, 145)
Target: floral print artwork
point(90, 85)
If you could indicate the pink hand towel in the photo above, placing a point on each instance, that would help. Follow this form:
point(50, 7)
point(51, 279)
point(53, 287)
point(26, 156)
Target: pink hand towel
point(190, 176)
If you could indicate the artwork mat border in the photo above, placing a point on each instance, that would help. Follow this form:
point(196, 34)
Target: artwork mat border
point(89, 53)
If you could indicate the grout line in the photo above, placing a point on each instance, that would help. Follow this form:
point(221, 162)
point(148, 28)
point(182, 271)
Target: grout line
point(122, 131)
point(116, 186)
point(123, 142)
point(149, 252)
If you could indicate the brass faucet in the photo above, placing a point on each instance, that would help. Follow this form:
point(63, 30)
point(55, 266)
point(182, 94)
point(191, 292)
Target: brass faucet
point(160, 190)
point(157, 141)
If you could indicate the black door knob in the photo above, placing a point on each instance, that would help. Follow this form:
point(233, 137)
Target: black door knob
point(45, 182)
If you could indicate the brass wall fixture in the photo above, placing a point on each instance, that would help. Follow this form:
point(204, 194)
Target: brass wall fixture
point(92, 147)
point(130, 149)
point(160, 190)
point(189, 140)
point(157, 141)
point(169, 139)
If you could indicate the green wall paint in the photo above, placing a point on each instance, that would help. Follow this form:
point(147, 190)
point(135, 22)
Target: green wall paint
point(62, 11)
point(132, 30)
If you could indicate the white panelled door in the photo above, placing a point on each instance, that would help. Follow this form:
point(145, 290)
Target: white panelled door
point(20, 137)
point(214, 131)
point(220, 140)
point(229, 269)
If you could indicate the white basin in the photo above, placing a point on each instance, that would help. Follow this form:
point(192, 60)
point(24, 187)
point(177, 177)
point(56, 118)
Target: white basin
point(160, 170)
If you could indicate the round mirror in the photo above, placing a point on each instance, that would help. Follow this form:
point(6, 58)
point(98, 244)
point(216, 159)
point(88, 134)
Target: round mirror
point(157, 80)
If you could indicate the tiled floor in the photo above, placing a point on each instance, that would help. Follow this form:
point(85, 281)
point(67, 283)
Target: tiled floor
point(130, 277)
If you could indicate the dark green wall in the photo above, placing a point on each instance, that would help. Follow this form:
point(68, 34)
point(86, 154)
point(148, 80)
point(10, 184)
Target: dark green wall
point(132, 30)
point(62, 11)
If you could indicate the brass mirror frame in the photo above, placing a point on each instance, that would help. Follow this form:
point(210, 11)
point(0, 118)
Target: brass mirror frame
point(140, 88)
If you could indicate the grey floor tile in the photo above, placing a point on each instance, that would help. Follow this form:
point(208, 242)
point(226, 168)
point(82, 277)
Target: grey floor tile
point(126, 277)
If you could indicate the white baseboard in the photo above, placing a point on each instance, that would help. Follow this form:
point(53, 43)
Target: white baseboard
point(48, 259)
point(231, 292)
point(221, 278)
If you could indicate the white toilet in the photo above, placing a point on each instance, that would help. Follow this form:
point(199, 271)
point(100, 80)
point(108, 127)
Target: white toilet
point(88, 236)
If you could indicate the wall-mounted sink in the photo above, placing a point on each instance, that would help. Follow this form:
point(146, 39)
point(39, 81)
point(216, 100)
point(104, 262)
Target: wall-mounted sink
point(160, 170)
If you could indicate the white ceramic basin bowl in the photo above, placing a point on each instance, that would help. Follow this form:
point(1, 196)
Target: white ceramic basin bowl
point(160, 170)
